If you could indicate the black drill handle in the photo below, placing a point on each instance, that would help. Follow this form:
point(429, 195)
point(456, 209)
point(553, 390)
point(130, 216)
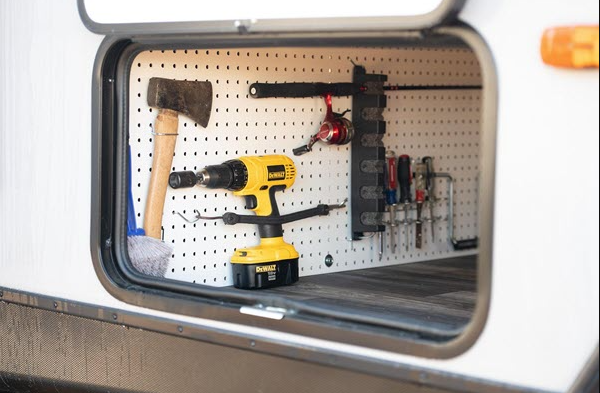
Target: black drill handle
point(465, 244)
point(233, 218)
point(404, 178)
point(296, 90)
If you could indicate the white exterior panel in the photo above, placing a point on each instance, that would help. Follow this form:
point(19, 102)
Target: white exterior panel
point(543, 321)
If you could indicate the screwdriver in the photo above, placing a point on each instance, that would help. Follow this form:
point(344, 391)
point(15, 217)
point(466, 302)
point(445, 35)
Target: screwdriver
point(420, 175)
point(390, 193)
point(430, 197)
point(405, 179)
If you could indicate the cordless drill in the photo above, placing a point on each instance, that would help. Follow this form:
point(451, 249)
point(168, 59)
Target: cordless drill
point(273, 262)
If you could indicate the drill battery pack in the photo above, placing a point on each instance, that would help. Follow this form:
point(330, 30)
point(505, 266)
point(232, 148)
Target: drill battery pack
point(272, 263)
point(265, 275)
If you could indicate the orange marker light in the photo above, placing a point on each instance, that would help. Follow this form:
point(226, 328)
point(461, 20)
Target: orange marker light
point(571, 47)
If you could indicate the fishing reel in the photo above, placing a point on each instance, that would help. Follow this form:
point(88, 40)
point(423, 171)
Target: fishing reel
point(334, 130)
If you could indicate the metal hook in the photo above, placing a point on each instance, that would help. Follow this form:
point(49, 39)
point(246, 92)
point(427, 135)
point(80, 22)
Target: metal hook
point(342, 114)
point(351, 240)
point(339, 205)
point(198, 217)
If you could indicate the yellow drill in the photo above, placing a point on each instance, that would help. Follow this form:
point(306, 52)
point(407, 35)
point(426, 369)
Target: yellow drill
point(273, 262)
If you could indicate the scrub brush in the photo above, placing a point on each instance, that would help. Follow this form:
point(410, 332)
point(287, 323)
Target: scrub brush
point(148, 255)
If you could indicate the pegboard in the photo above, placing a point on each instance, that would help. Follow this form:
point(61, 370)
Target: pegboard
point(444, 124)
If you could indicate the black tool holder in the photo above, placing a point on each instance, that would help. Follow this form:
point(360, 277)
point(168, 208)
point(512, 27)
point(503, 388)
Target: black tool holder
point(368, 155)
point(320, 210)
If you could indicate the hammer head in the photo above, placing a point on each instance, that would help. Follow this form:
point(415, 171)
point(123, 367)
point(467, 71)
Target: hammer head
point(190, 98)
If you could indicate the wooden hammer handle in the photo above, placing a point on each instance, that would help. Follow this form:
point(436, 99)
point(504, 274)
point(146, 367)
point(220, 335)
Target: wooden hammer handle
point(165, 129)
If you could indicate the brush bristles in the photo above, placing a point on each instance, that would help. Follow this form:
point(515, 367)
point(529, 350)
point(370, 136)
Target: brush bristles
point(148, 255)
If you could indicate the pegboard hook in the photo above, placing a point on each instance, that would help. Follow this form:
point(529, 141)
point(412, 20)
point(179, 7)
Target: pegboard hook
point(197, 218)
point(339, 205)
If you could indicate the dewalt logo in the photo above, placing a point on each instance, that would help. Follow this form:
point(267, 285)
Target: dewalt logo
point(275, 172)
point(276, 175)
point(265, 269)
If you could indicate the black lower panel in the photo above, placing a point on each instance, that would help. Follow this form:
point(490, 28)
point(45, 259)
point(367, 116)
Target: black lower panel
point(50, 351)
point(47, 351)
point(442, 292)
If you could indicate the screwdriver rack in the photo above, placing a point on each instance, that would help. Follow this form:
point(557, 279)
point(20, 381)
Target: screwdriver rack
point(408, 224)
point(441, 124)
point(365, 173)
point(412, 207)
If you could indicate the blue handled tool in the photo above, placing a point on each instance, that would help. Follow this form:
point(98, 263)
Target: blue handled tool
point(148, 255)
point(391, 185)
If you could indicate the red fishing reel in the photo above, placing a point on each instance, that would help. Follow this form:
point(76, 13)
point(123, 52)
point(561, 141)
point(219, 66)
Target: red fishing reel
point(334, 130)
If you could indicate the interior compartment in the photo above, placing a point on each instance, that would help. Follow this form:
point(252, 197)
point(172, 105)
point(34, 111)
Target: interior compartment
point(434, 286)
point(441, 292)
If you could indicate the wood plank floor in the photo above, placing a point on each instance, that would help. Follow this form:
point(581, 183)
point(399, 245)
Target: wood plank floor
point(441, 292)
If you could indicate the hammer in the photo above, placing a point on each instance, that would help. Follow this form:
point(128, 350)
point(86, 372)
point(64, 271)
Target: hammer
point(171, 97)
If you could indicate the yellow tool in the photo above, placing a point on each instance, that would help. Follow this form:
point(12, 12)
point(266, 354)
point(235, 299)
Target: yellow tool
point(273, 262)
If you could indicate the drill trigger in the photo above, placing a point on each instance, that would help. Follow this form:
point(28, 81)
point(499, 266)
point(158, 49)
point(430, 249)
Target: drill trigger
point(251, 202)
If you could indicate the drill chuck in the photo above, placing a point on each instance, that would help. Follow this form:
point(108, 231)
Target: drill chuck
point(230, 175)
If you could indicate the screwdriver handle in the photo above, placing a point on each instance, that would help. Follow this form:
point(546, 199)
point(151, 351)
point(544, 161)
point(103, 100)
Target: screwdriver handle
point(420, 177)
point(430, 196)
point(391, 175)
point(429, 175)
point(392, 172)
point(404, 178)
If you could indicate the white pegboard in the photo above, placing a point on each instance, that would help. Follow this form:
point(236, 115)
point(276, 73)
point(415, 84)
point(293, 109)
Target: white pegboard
point(441, 124)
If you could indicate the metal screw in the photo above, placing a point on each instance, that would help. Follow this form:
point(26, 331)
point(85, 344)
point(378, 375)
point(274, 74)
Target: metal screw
point(328, 260)
point(180, 329)
point(1, 293)
point(55, 305)
point(252, 343)
point(114, 316)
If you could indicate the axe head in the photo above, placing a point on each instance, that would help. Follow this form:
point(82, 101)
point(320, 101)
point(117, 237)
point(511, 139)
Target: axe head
point(190, 98)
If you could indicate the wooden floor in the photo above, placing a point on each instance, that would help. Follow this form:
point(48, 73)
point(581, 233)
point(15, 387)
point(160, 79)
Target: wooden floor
point(441, 292)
